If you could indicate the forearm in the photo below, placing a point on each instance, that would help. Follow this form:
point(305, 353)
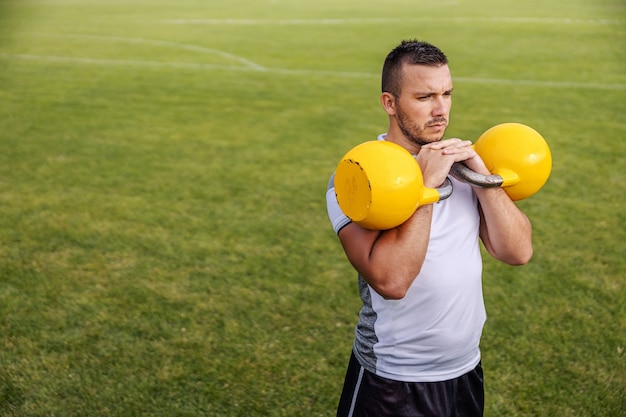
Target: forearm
point(505, 230)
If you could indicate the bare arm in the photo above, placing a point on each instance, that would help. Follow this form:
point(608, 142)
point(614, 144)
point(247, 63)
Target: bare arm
point(505, 230)
point(389, 260)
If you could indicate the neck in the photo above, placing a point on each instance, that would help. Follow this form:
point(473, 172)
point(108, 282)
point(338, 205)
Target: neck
point(396, 136)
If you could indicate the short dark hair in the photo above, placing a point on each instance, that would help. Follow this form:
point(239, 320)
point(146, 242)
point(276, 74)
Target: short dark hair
point(413, 52)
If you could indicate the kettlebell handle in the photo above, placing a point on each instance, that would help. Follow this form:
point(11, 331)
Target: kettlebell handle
point(445, 190)
point(462, 172)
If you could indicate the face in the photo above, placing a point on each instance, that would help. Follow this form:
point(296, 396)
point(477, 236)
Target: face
point(423, 109)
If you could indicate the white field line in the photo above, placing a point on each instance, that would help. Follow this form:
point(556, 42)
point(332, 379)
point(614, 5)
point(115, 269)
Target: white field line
point(287, 71)
point(176, 45)
point(377, 21)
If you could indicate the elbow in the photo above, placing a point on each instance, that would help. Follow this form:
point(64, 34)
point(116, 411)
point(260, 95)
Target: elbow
point(392, 294)
point(393, 288)
point(391, 282)
point(526, 257)
point(519, 257)
point(512, 252)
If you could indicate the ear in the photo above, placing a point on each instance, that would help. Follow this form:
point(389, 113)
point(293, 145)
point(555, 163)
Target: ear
point(389, 103)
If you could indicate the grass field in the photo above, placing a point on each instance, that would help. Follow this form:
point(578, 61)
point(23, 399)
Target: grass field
point(164, 244)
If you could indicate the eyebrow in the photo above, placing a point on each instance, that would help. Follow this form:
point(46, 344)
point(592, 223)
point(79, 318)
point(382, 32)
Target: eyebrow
point(431, 93)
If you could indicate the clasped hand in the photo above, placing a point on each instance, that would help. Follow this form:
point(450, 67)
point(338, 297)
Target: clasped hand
point(436, 159)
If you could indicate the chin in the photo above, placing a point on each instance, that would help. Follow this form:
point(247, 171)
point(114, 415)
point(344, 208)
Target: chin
point(426, 141)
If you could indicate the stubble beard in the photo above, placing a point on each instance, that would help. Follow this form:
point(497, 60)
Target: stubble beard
point(415, 133)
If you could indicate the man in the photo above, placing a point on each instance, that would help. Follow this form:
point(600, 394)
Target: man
point(416, 349)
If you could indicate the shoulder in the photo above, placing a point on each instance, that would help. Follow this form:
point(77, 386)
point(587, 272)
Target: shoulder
point(337, 218)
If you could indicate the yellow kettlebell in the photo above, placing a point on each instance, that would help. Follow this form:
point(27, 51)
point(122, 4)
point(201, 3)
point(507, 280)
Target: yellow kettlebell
point(518, 154)
point(379, 185)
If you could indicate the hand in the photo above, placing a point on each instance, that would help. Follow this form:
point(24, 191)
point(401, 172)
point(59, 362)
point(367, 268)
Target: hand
point(435, 159)
point(473, 161)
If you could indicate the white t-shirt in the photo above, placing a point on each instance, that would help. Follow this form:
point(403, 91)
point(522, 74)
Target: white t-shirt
point(433, 333)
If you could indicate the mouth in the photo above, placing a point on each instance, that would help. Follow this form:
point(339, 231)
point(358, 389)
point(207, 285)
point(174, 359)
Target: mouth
point(438, 124)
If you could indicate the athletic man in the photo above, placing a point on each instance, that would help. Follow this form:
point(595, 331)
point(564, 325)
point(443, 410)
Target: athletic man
point(416, 349)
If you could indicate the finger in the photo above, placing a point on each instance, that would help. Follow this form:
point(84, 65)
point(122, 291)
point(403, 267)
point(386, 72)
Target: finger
point(464, 153)
point(463, 146)
point(443, 143)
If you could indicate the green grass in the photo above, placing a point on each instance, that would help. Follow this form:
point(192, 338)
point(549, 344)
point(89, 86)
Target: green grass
point(164, 246)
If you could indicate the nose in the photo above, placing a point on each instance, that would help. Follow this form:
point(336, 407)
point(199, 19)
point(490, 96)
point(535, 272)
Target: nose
point(441, 106)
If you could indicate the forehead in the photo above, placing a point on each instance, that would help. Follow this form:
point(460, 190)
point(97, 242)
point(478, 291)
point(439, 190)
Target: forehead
point(426, 79)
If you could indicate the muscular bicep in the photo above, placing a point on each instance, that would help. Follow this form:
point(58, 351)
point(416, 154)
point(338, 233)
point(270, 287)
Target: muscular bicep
point(389, 260)
point(358, 244)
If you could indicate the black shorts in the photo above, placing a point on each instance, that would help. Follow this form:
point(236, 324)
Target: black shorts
point(368, 395)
